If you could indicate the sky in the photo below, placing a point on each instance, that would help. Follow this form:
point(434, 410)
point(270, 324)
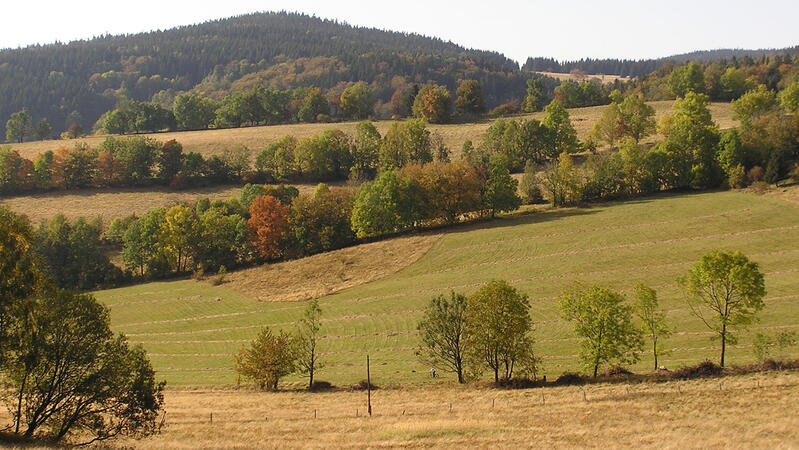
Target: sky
point(564, 30)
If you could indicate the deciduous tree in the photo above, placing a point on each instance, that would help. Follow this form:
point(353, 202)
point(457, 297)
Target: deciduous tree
point(725, 290)
point(604, 322)
point(652, 318)
point(442, 333)
point(308, 337)
point(269, 358)
point(267, 226)
point(498, 329)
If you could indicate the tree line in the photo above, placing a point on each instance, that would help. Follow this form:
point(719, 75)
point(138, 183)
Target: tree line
point(493, 329)
point(693, 155)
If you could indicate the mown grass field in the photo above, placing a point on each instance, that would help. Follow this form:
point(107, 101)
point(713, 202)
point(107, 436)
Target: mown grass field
point(212, 142)
point(112, 203)
point(192, 329)
point(753, 411)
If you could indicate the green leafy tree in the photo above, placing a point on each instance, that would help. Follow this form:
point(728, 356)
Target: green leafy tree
point(43, 130)
point(442, 333)
point(636, 117)
point(687, 78)
point(323, 157)
point(18, 270)
point(604, 323)
point(433, 103)
point(789, 97)
point(692, 141)
point(609, 127)
point(178, 235)
point(725, 291)
point(754, 105)
point(70, 376)
point(365, 151)
point(321, 222)
point(193, 112)
point(652, 318)
point(734, 83)
point(534, 100)
point(562, 135)
point(169, 160)
point(313, 105)
point(278, 160)
point(140, 241)
point(405, 142)
point(561, 181)
point(19, 126)
point(358, 101)
point(308, 336)
point(221, 240)
point(498, 329)
point(500, 192)
point(269, 358)
point(469, 98)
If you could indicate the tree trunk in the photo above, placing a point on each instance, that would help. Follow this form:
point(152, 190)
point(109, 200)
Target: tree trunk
point(723, 342)
point(655, 352)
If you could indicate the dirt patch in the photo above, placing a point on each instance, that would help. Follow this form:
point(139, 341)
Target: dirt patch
point(330, 272)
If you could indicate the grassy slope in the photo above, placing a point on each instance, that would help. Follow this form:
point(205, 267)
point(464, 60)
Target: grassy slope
point(211, 142)
point(192, 329)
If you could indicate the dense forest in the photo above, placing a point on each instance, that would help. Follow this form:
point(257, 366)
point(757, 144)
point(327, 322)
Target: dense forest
point(79, 81)
point(636, 68)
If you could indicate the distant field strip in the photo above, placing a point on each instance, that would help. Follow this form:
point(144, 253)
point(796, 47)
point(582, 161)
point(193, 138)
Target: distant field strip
point(192, 329)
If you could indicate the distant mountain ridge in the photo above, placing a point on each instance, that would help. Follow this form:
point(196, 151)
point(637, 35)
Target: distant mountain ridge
point(635, 68)
point(79, 81)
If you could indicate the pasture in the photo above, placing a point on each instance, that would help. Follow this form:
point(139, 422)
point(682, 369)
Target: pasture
point(748, 411)
point(191, 329)
point(213, 142)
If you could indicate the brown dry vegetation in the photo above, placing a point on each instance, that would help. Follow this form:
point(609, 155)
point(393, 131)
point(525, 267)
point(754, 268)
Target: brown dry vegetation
point(581, 77)
point(118, 202)
point(211, 142)
point(327, 273)
point(749, 411)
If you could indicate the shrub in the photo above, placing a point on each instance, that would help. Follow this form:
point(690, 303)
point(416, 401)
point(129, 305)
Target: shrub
point(705, 369)
point(570, 379)
point(362, 386)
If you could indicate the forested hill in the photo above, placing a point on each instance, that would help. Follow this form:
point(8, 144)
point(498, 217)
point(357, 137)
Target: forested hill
point(635, 68)
point(79, 81)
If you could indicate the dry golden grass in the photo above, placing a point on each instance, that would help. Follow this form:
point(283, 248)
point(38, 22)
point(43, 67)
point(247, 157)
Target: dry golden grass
point(752, 411)
point(579, 77)
point(212, 142)
point(788, 193)
point(327, 273)
point(112, 203)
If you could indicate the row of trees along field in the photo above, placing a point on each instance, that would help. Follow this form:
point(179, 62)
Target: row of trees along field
point(332, 155)
point(493, 328)
point(65, 375)
point(694, 153)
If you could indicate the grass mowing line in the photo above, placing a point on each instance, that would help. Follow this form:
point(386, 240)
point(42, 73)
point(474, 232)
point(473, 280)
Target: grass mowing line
point(593, 230)
point(161, 300)
point(411, 311)
point(247, 341)
point(212, 316)
point(544, 278)
point(609, 247)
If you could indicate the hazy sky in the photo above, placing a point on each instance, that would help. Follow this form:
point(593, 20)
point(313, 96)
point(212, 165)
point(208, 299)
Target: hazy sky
point(559, 29)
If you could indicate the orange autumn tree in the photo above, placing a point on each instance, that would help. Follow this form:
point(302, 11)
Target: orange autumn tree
point(267, 225)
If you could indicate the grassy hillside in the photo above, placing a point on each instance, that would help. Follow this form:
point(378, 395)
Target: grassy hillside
point(191, 329)
point(211, 142)
point(749, 411)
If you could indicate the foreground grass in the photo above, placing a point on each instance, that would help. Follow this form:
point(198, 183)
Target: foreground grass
point(214, 142)
point(192, 329)
point(740, 411)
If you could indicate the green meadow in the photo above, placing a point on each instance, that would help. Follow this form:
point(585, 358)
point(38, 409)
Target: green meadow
point(192, 329)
